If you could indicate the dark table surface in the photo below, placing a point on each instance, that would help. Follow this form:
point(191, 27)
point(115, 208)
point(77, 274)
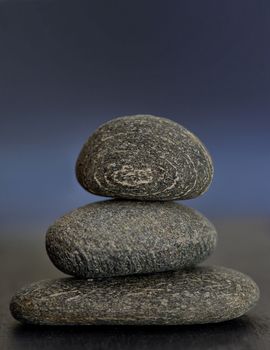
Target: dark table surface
point(243, 245)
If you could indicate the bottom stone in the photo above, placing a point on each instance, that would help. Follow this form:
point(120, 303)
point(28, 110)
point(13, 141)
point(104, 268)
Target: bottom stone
point(198, 295)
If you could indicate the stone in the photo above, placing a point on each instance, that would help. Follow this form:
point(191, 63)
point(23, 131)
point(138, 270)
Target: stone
point(117, 237)
point(199, 295)
point(144, 157)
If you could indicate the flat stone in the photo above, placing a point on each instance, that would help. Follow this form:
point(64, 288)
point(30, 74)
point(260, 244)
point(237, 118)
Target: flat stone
point(115, 237)
point(200, 295)
point(146, 158)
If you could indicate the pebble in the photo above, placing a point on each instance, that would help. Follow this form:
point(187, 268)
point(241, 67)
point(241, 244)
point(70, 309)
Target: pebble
point(116, 237)
point(199, 295)
point(144, 157)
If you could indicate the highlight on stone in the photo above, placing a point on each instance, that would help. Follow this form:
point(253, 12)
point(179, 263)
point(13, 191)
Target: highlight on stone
point(134, 260)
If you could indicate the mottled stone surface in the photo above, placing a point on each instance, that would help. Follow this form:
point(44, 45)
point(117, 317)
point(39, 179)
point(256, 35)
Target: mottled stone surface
point(200, 295)
point(144, 157)
point(117, 237)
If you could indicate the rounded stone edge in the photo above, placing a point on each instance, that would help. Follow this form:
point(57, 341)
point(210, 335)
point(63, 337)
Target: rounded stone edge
point(51, 256)
point(18, 312)
point(250, 284)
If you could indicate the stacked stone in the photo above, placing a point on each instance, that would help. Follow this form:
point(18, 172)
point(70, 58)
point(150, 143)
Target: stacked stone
point(134, 258)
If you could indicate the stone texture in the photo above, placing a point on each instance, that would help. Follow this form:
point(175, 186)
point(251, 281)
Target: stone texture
point(201, 295)
point(117, 237)
point(146, 158)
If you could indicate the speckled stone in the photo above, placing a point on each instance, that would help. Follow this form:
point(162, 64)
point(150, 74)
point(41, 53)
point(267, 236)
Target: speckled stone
point(115, 237)
point(201, 295)
point(145, 158)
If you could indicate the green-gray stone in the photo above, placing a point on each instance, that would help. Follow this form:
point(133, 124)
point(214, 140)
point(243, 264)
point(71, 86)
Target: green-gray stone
point(144, 157)
point(115, 237)
point(200, 295)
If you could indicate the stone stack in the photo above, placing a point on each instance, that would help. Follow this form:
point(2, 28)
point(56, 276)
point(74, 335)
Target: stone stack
point(134, 258)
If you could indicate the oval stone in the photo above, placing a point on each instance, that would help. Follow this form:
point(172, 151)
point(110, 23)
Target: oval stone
point(200, 295)
point(117, 237)
point(146, 158)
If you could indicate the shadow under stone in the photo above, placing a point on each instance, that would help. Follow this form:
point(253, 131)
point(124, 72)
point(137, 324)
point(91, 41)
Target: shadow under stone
point(242, 333)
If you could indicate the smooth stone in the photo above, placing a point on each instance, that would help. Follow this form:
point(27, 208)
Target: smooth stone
point(115, 237)
point(146, 158)
point(200, 295)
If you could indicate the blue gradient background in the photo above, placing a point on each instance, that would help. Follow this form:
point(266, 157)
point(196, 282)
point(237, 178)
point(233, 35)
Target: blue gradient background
point(68, 66)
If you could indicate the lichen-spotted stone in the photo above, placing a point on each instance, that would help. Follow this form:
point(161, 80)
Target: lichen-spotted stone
point(199, 295)
point(116, 237)
point(146, 158)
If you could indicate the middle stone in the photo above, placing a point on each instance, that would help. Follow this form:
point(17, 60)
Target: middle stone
point(115, 237)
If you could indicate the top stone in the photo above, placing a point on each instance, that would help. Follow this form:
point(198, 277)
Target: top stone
point(145, 158)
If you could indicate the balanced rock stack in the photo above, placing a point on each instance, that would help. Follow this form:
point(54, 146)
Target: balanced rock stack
point(134, 258)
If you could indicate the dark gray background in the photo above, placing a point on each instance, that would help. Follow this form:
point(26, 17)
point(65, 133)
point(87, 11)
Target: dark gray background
point(67, 66)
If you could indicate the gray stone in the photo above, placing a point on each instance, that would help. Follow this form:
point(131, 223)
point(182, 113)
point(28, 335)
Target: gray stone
point(200, 295)
point(146, 158)
point(117, 237)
